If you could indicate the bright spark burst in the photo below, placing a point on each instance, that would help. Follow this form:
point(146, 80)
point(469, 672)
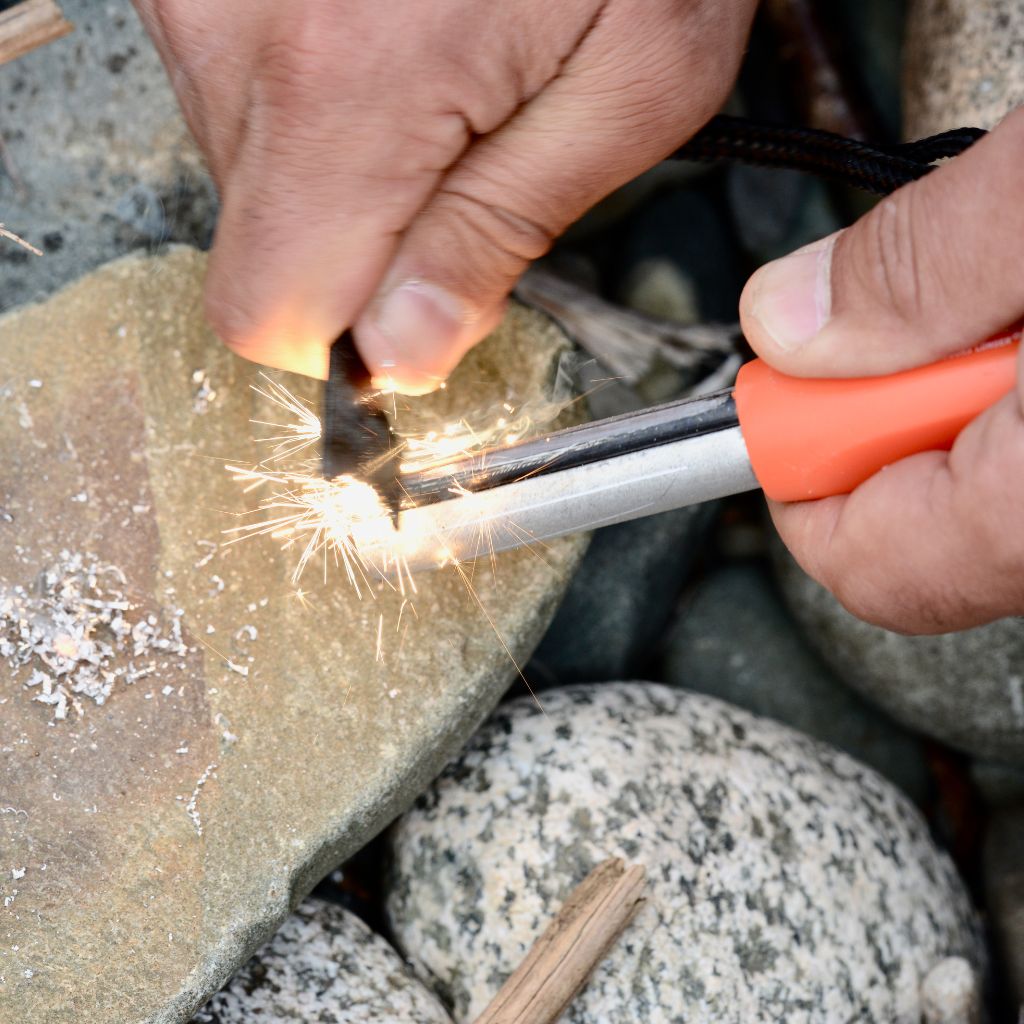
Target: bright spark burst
point(332, 521)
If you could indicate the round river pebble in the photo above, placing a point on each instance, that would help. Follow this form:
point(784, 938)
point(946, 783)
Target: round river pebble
point(324, 966)
point(786, 881)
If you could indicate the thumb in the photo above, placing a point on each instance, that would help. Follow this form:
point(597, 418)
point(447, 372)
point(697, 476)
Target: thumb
point(930, 271)
point(517, 188)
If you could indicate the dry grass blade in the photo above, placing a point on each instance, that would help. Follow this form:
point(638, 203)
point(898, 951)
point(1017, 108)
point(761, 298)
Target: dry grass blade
point(627, 343)
point(18, 240)
point(575, 942)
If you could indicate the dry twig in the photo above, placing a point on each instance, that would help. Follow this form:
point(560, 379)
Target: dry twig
point(575, 942)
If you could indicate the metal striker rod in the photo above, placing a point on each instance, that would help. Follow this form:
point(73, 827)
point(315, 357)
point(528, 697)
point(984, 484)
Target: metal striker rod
point(547, 505)
point(568, 449)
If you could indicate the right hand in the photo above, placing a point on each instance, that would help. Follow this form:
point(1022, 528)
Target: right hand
point(396, 165)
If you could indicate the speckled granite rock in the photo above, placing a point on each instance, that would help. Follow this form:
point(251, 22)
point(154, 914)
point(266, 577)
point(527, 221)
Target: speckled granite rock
point(250, 737)
point(735, 640)
point(324, 965)
point(104, 161)
point(966, 689)
point(786, 881)
point(951, 993)
point(1004, 891)
point(964, 63)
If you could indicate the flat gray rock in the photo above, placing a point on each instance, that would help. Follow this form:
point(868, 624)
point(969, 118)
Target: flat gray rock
point(104, 163)
point(324, 965)
point(964, 64)
point(966, 689)
point(787, 882)
point(735, 640)
point(188, 739)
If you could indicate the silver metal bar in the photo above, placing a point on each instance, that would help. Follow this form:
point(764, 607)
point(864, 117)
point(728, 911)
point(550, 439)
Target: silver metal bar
point(565, 449)
point(538, 508)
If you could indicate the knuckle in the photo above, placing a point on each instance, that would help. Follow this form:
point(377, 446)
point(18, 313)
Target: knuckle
point(891, 256)
point(509, 239)
point(309, 61)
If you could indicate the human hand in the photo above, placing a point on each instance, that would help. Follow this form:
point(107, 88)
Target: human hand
point(934, 542)
point(396, 165)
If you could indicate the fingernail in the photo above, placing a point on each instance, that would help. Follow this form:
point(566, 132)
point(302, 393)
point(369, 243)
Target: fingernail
point(792, 297)
point(410, 334)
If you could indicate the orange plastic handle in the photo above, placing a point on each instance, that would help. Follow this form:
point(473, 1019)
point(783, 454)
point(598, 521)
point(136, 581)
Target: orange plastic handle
point(815, 438)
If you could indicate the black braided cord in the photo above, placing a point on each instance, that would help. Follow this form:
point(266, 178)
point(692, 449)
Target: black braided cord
point(879, 169)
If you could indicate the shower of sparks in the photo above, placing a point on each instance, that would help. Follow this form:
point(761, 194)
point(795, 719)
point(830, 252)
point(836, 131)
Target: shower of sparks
point(330, 522)
point(296, 434)
point(463, 438)
point(328, 519)
point(333, 520)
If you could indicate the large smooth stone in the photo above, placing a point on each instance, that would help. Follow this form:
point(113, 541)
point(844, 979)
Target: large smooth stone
point(165, 833)
point(104, 160)
point(787, 882)
point(735, 640)
point(964, 64)
point(966, 689)
point(324, 965)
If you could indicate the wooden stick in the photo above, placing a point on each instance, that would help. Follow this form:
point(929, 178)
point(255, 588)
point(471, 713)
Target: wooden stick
point(575, 942)
point(29, 24)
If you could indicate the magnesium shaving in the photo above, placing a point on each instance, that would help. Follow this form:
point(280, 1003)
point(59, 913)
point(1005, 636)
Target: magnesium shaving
point(76, 634)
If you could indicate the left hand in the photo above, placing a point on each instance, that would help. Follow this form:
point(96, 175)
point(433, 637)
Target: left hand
point(394, 166)
point(935, 542)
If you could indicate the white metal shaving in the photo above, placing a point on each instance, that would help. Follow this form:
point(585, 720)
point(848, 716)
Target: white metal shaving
point(204, 394)
point(77, 634)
